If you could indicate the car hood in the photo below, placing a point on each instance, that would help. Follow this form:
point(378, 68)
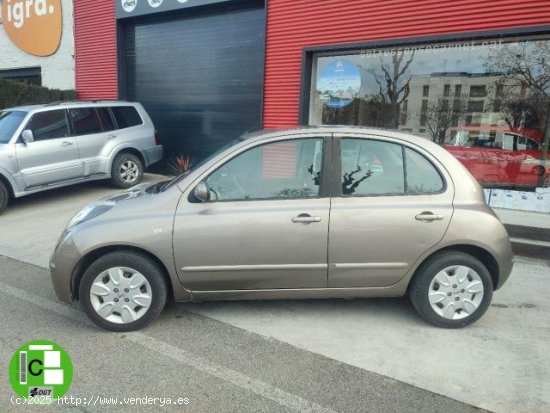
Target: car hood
point(134, 192)
point(138, 191)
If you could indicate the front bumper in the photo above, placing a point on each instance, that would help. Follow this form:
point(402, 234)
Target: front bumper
point(62, 265)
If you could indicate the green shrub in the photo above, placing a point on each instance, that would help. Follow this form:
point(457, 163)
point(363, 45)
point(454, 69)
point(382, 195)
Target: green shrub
point(13, 93)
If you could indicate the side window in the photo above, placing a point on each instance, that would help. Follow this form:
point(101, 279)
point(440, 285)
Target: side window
point(371, 167)
point(106, 120)
point(422, 177)
point(281, 170)
point(126, 116)
point(85, 121)
point(49, 125)
point(525, 143)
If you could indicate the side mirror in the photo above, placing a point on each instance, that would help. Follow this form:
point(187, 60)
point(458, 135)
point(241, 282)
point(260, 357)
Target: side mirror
point(27, 136)
point(202, 192)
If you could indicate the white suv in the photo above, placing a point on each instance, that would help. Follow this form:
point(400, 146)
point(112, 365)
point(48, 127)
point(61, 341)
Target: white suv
point(54, 145)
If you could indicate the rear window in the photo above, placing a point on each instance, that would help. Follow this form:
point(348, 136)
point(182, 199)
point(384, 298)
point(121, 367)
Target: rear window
point(85, 121)
point(105, 119)
point(422, 177)
point(126, 116)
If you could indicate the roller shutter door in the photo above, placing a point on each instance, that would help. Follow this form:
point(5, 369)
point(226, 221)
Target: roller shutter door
point(200, 76)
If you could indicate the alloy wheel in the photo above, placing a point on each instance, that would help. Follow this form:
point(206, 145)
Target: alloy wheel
point(129, 171)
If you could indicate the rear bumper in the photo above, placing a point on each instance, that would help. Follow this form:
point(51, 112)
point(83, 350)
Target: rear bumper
point(505, 260)
point(153, 154)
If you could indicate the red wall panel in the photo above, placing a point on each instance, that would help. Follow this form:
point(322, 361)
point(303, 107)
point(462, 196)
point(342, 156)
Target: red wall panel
point(295, 24)
point(95, 49)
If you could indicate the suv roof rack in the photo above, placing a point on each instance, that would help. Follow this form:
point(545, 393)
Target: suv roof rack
point(77, 102)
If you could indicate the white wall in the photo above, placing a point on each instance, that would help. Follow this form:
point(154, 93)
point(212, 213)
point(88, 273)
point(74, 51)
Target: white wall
point(58, 69)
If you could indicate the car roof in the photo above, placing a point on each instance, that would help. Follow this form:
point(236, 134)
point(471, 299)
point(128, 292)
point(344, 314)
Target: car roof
point(324, 129)
point(23, 108)
point(70, 104)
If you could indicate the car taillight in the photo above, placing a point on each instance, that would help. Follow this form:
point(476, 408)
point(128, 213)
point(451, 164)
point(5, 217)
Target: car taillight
point(157, 137)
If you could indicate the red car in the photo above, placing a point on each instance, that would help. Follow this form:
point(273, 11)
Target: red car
point(500, 156)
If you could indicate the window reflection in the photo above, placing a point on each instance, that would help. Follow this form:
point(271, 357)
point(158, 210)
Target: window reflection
point(490, 94)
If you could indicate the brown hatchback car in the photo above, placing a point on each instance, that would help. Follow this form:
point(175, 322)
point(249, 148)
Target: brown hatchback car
point(319, 212)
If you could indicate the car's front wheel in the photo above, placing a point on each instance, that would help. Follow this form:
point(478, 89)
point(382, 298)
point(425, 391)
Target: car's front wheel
point(123, 291)
point(451, 290)
point(127, 170)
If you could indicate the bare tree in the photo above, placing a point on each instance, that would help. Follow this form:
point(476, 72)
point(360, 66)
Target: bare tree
point(442, 114)
point(393, 89)
point(517, 108)
point(526, 65)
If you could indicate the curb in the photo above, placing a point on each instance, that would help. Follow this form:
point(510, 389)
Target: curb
point(530, 242)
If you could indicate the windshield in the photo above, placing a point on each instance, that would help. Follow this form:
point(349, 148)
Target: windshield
point(9, 122)
point(194, 167)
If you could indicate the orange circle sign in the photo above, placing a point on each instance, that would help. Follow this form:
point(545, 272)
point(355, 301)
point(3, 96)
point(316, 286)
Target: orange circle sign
point(33, 25)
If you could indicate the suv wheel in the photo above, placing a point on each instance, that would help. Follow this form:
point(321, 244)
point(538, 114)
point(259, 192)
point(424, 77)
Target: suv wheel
point(123, 291)
point(4, 197)
point(451, 290)
point(127, 170)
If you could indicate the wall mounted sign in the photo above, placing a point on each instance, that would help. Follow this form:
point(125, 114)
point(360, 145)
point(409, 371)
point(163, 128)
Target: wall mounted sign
point(33, 26)
point(338, 84)
point(133, 8)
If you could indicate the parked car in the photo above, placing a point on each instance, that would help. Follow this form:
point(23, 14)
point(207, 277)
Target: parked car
point(49, 146)
point(500, 156)
point(318, 212)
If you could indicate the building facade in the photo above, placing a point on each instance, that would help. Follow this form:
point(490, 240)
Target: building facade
point(37, 42)
point(149, 50)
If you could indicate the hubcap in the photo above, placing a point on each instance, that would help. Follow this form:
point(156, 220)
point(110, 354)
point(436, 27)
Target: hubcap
point(456, 292)
point(129, 171)
point(121, 295)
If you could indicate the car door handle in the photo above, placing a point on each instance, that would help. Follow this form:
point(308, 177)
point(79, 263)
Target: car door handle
point(427, 216)
point(305, 219)
point(111, 136)
point(66, 143)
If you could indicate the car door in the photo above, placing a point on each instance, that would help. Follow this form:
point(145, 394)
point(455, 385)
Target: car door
point(391, 204)
point(53, 155)
point(92, 129)
point(266, 224)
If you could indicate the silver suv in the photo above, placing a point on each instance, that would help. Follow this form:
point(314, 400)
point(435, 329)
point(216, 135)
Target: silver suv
point(54, 145)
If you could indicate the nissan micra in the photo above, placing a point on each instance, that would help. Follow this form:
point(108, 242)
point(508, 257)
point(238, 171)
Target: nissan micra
point(323, 212)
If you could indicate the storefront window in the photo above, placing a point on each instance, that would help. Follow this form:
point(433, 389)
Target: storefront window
point(486, 101)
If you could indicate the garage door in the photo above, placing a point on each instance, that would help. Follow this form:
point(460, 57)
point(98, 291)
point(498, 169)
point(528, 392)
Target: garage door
point(200, 76)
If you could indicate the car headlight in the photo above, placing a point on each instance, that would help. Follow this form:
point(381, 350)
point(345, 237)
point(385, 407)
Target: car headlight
point(89, 212)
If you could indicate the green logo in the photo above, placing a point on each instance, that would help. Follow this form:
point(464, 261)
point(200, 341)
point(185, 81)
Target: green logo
point(41, 369)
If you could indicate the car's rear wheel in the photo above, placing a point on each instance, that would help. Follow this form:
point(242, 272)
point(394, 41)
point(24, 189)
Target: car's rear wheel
point(451, 290)
point(127, 170)
point(4, 197)
point(123, 291)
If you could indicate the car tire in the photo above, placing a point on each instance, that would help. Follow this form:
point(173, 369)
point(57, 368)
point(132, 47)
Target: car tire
point(451, 290)
point(4, 197)
point(123, 291)
point(127, 170)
